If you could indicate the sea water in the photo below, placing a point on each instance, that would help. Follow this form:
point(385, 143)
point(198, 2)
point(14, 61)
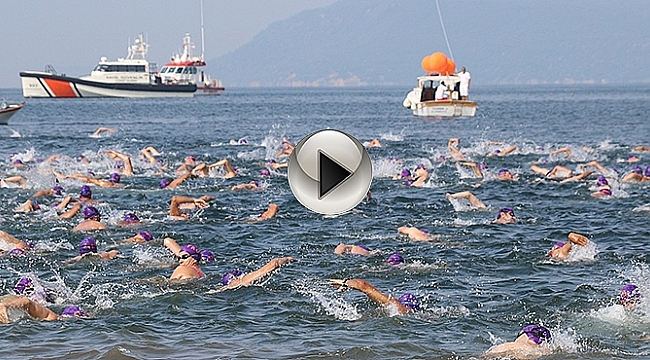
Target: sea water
point(478, 284)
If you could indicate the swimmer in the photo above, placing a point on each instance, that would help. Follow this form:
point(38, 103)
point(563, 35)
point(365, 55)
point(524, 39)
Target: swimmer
point(91, 220)
point(395, 259)
point(150, 153)
point(55, 190)
point(33, 290)
point(505, 174)
point(473, 200)
point(629, 296)
point(253, 185)
point(404, 175)
point(405, 304)
point(230, 171)
point(166, 184)
point(34, 309)
point(9, 243)
point(103, 129)
point(499, 152)
point(602, 188)
point(129, 219)
point(28, 206)
point(18, 164)
point(530, 343)
point(416, 234)
point(86, 196)
point(207, 256)
point(188, 164)
point(477, 168)
point(276, 165)
point(563, 150)
point(113, 180)
point(637, 174)
point(235, 278)
point(189, 257)
point(88, 247)
point(286, 148)
point(13, 181)
point(561, 249)
point(179, 202)
point(421, 175)
point(641, 148)
point(126, 160)
point(505, 216)
point(342, 249)
point(558, 171)
point(603, 170)
point(139, 238)
point(270, 212)
point(374, 143)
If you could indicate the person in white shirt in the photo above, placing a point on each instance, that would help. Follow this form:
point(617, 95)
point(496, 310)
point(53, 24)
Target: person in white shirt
point(441, 91)
point(465, 80)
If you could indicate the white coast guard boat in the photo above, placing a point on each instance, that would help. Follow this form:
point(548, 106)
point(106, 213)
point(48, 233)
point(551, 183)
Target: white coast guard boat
point(7, 111)
point(130, 77)
point(423, 103)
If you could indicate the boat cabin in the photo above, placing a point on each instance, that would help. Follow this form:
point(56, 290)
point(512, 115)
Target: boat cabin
point(429, 84)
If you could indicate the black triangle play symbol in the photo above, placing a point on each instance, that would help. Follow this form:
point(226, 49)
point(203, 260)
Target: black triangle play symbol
point(330, 174)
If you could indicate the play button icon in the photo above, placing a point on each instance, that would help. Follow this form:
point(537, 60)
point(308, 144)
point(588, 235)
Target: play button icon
point(329, 172)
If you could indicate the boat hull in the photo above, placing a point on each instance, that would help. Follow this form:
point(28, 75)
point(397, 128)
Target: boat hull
point(444, 108)
point(46, 85)
point(9, 112)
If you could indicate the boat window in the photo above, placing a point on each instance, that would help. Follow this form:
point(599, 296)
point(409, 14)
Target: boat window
point(193, 70)
point(179, 70)
point(171, 70)
point(162, 71)
point(186, 70)
point(131, 68)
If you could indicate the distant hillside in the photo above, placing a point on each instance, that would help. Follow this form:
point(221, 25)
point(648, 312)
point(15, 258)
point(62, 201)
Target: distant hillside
point(381, 42)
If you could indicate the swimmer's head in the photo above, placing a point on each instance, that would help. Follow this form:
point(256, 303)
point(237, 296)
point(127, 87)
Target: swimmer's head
point(91, 212)
point(164, 183)
point(242, 141)
point(207, 255)
point(24, 286)
point(536, 333)
point(395, 259)
point(602, 180)
point(629, 295)
point(420, 166)
point(73, 311)
point(190, 160)
point(558, 245)
point(405, 173)
point(265, 172)
point(482, 166)
point(192, 251)
point(497, 151)
point(637, 169)
point(18, 162)
point(29, 243)
point(410, 301)
point(146, 235)
point(506, 215)
point(131, 218)
point(58, 190)
point(115, 178)
point(272, 161)
point(257, 184)
point(90, 173)
point(87, 245)
point(85, 191)
point(424, 230)
point(230, 276)
point(118, 165)
point(17, 252)
point(504, 172)
point(647, 171)
point(35, 205)
point(364, 247)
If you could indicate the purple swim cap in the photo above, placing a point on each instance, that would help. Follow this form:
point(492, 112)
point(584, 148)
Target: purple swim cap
point(424, 231)
point(257, 184)
point(537, 333)
point(85, 191)
point(207, 255)
point(131, 218)
point(73, 311)
point(58, 190)
point(409, 182)
point(420, 166)
point(410, 300)
point(637, 169)
point(29, 243)
point(265, 172)
point(90, 212)
point(115, 178)
point(497, 151)
point(193, 251)
point(272, 161)
point(647, 171)
point(164, 183)
point(405, 173)
point(506, 211)
point(17, 162)
point(87, 245)
point(364, 247)
point(119, 165)
point(629, 295)
point(482, 166)
point(17, 251)
point(504, 171)
point(395, 259)
point(601, 181)
point(230, 276)
point(243, 141)
point(35, 205)
point(24, 286)
point(559, 244)
point(146, 235)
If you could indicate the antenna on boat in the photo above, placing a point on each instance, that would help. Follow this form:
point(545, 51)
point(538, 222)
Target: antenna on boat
point(202, 34)
point(443, 31)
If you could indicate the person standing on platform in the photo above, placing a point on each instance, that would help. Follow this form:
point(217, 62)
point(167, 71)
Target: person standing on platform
point(465, 80)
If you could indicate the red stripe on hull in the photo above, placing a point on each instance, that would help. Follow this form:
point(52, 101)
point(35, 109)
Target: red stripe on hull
point(62, 89)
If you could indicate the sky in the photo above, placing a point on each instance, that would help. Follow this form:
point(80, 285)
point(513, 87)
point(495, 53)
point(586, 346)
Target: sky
point(71, 35)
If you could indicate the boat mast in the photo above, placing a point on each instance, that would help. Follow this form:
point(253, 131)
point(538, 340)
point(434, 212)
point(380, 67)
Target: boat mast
point(444, 32)
point(202, 34)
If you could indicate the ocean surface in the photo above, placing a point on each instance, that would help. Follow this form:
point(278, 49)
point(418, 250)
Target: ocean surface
point(478, 284)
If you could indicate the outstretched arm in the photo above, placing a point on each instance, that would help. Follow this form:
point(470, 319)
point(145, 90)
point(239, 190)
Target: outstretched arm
point(476, 202)
point(474, 167)
point(33, 309)
point(260, 273)
point(174, 207)
point(128, 167)
point(172, 245)
point(565, 150)
point(103, 129)
point(372, 293)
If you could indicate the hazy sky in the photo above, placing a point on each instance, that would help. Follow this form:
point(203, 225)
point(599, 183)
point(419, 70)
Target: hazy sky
point(72, 35)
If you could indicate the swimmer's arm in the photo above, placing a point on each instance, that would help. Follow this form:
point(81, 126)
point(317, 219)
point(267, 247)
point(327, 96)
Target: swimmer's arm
point(578, 239)
point(508, 150)
point(178, 180)
point(474, 167)
point(174, 209)
point(103, 129)
point(374, 294)
point(128, 167)
point(72, 212)
point(43, 193)
point(109, 255)
point(341, 249)
point(172, 245)
point(279, 165)
point(263, 271)
point(562, 150)
point(33, 309)
point(641, 148)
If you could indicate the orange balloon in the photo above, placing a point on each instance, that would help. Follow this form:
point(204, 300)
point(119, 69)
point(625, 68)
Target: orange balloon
point(425, 64)
point(451, 66)
point(438, 62)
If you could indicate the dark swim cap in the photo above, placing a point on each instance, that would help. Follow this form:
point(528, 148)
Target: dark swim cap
point(265, 172)
point(115, 178)
point(85, 191)
point(24, 286)
point(629, 295)
point(395, 259)
point(637, 169)
point(146, 235)
point(73, 311)
point(87, 245)
point(647, 171)
point(58, 190)
point(537, 333)
point(164, 183)
point(131, 218)
point(90, 212)
point(405, 173)
point(504, 171)
point(410, 300)
point(193, 251)
point(207, 255)
point(17, 251)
